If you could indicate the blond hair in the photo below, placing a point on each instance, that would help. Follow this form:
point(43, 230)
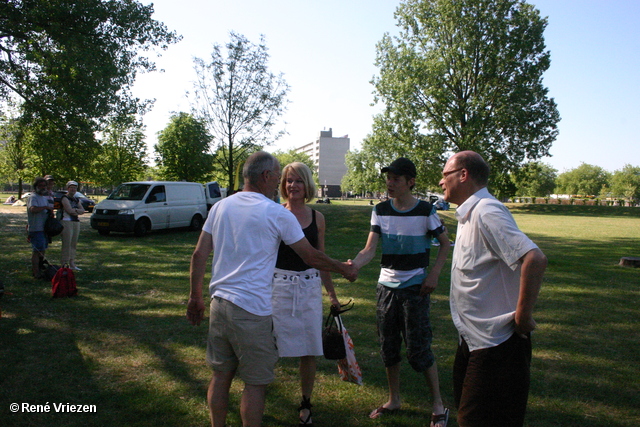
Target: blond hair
point(305, 174)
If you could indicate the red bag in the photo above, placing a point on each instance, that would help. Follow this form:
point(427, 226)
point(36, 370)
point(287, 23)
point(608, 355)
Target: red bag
point(63, 283)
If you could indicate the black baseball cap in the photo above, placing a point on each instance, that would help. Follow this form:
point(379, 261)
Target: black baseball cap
point(401, 166)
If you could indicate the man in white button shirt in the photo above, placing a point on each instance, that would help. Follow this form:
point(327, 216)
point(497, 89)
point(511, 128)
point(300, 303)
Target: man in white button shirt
point(496, 274)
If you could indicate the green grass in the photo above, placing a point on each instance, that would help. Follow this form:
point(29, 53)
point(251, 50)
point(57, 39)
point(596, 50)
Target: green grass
point(125, 346)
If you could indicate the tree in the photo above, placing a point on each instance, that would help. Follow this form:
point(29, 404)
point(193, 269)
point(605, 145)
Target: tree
point(467, 75)
point(585, 180)
point(535, 179)
point(72, 63)
point(123, 153)
point(286, 157)
point(183, 149)
point(16, 157)
point(239, 100)
point(53, 154)
point(626, 182)
point(363, 173)
point(393, 136)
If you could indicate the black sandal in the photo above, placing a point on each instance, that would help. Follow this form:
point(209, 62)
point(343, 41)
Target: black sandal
point(305, 404)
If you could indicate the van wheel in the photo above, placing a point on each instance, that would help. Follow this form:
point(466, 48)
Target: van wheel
point(141, 227)
point(104, 232)
point(196, 223)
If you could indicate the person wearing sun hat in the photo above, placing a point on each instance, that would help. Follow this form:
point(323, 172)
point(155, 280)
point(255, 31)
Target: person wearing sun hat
point(71, 209)
point(51, 182)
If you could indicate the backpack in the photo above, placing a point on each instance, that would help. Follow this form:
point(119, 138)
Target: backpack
point(63, 283)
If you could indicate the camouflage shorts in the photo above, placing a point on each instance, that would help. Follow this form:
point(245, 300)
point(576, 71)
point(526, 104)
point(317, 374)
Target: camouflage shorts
point(404, 314)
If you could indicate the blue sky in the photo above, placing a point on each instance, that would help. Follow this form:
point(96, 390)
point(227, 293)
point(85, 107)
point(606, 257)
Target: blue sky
point(326, 51)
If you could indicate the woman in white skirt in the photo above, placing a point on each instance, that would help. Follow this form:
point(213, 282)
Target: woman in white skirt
point(297, 288)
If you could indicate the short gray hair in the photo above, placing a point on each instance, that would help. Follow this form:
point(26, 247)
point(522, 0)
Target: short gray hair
point(257, 163)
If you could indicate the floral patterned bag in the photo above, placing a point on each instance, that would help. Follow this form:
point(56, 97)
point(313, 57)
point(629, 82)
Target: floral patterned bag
point(348, 367)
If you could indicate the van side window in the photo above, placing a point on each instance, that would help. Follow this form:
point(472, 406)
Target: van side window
point(214, 190)
point(157, 195)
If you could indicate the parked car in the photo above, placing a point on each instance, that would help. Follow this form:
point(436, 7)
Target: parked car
point(87, 203)
point(439, 203)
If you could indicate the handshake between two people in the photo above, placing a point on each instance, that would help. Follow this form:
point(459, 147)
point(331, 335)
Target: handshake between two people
point(349, 271)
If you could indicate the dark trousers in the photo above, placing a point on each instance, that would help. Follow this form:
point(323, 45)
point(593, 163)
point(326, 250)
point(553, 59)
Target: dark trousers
point(491, 385)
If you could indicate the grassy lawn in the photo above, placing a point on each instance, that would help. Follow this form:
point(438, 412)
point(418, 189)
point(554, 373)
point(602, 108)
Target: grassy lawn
point(125, 346)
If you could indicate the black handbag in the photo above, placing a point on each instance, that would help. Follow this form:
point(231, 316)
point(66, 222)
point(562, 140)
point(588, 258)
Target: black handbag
point(52, 227)
point(333, 345)
point(47, 271)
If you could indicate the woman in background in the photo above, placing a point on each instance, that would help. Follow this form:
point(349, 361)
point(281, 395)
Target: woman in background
point(297, 288)
point(71, 208)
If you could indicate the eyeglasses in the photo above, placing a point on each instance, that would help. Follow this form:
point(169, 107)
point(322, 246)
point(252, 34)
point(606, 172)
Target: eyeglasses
point(276, 174)
point(446, 174)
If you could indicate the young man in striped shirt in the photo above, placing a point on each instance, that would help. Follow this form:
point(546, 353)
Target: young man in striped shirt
point(405, 226)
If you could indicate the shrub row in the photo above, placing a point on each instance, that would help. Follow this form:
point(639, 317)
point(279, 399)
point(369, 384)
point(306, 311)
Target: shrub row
point(574, 201)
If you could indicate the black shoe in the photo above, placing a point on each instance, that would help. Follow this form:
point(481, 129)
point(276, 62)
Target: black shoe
point(306, 404)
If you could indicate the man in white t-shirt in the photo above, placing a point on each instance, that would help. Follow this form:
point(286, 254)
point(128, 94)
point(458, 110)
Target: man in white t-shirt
point(244, 232)
point(496, 273)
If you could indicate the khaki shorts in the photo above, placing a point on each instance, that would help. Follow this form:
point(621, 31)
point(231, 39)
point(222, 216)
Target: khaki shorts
point(241, 341)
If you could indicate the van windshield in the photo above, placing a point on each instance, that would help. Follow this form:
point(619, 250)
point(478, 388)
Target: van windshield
point(129, 192)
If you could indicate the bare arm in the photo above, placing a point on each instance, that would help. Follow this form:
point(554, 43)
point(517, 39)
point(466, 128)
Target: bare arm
point(534, 264)
point(317, 259)
point(327, 281)
point(366, 255)
point(195, 306)
point(36, 209)
point(66, 205)
point(431, 281)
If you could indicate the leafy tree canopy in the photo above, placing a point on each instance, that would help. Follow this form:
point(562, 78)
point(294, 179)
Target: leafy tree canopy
point(16, 156)
point(363, 173)
point(239, 100)
point(585, 180)
point(290, 156)
point(626, 182)
point(535, 179)
point(467, 75)
point(393, 136)
point(72, 63)
point(123, 153)
point(183, 150)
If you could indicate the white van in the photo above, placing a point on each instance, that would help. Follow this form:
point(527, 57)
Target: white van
point(214, 193)
point(139, 207)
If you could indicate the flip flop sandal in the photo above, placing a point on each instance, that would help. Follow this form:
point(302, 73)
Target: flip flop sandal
point(380, 411)
point(435, 419)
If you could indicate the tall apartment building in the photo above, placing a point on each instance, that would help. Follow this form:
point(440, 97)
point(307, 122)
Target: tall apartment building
point(328, 155)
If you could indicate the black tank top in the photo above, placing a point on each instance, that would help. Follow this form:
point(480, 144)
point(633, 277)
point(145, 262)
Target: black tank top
point(288, 259)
